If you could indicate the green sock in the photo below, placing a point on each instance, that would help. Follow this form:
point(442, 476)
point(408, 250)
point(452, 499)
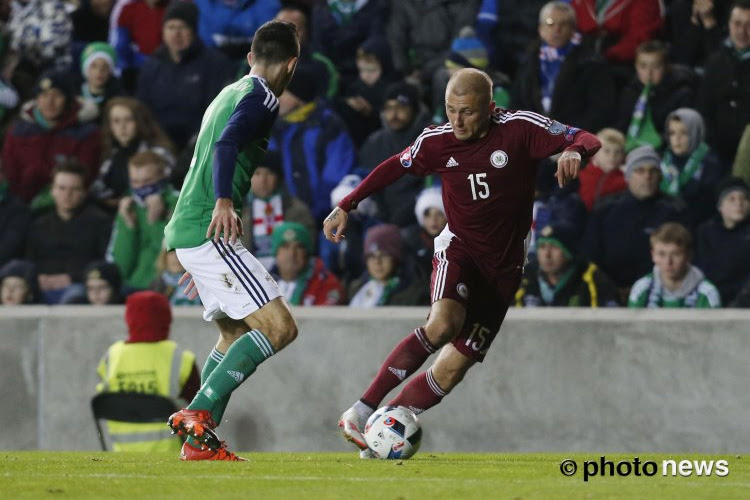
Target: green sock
point(214, 358)
point(240, 361)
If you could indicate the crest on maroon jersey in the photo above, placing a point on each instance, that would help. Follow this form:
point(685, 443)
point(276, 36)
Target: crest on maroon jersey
point(499, 158)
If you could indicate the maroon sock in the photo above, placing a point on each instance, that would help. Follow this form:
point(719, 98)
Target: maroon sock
point(420, 394)
point(403, 360)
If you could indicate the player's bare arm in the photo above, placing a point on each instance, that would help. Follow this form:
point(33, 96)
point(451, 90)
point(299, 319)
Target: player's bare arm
point(224, 221)
point(568, 166)
point(335, 224)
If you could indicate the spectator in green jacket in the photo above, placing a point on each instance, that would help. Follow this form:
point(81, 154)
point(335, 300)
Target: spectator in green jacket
point(674, 282)
point(139, 227)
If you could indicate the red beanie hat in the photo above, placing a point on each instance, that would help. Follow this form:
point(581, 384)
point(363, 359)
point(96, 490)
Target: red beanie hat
point(148, 316)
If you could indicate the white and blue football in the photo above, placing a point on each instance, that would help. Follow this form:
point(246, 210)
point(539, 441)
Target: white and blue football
point(393, 432)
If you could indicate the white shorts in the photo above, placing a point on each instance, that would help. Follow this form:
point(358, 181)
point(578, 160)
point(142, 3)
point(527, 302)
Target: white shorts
point(230, 281)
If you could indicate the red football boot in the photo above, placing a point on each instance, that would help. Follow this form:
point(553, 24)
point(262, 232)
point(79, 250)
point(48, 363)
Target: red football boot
point(192, 453)
point(195, 423)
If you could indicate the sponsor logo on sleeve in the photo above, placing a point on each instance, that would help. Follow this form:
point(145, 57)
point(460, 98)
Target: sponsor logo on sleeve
point(556, 128)
point(405, 158)
point(570, 133)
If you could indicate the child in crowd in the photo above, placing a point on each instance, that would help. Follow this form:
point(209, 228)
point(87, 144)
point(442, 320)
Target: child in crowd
point(383, 255)
point(657, 89)
point(674, 282)
point(139, 227)
point(18, 283)
point(603, 175)
point(360, 105)
point(99, 84)
point(103, 283)
point(689, 169)
point(127, 128)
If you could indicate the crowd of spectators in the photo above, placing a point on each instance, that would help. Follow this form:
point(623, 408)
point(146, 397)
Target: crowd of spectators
point(101, 100)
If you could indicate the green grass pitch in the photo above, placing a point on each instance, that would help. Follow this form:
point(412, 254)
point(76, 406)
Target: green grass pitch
point(433, 476)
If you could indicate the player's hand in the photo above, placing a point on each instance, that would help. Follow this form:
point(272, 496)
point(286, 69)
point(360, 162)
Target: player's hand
point(335, 225)
point(224, 221)
point(190, 289)
point(568, 166)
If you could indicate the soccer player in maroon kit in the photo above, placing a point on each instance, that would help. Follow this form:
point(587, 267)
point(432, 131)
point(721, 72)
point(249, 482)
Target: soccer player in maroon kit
point(487, 158)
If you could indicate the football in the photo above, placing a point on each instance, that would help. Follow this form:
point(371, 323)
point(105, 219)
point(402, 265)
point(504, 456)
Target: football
point(393, 432)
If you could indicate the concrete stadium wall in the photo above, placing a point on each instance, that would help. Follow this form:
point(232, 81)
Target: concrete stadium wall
point(554, 380)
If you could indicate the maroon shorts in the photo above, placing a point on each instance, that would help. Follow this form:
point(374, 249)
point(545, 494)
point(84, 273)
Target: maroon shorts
point(481, 286)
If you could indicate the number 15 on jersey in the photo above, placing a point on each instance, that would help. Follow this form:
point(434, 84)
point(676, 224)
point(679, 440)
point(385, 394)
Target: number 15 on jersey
point(479, 186)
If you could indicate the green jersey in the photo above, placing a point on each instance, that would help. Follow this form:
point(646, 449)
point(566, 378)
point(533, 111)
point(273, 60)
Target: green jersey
point(232, 140)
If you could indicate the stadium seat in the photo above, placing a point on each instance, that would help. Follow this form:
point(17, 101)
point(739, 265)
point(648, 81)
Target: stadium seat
point(131, 407)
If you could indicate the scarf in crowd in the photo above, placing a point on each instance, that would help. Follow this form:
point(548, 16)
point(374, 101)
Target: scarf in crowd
point(642, 130)
point(295, 290)
point(267, 214)
point(343, 10)
point(672, 179)
point(374, 293)
point(601, 9)
point(687, 293)
point(742, 55)
point(140, 194)
point(548, 291)
point(550, 62)
point(86, 93)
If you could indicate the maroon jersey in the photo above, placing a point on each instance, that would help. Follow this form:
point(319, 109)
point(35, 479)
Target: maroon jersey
point(488, 184)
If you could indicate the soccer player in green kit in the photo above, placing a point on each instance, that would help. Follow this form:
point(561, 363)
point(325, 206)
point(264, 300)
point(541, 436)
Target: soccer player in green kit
point(239, 296)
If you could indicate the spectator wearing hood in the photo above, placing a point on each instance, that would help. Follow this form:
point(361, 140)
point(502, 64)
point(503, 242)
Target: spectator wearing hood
point(674, 281)
point(723, 242)
point(689, 168)
point(363, 98)
point(49, 130)
point(559, 278)
point(182, 76)
point(149, 363)
point(313, 141)
point(18, 283)
point(403, 119)
point(268, 204)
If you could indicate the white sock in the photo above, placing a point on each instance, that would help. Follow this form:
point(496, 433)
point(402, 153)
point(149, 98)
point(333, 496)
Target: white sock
point(362, 409)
